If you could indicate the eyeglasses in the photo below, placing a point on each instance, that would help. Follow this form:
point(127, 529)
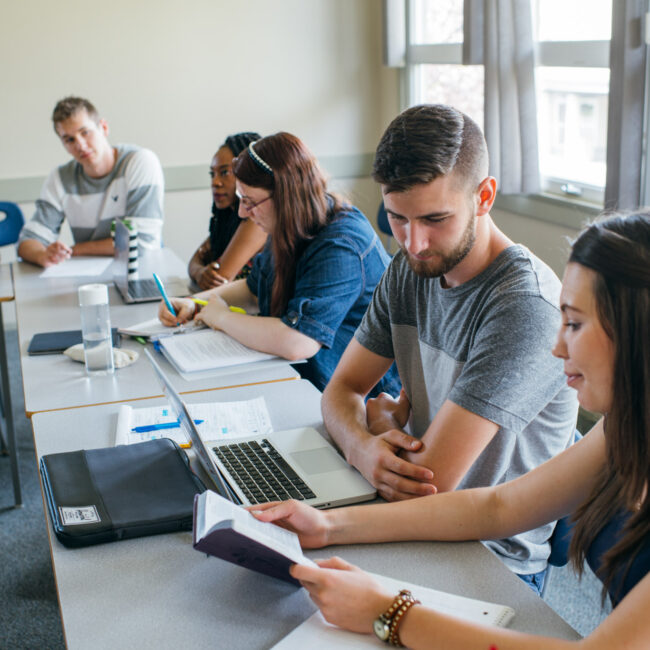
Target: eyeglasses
point(248, 204)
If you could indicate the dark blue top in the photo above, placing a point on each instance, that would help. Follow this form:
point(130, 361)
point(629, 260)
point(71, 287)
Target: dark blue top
point(335, 277)
point(608, 536)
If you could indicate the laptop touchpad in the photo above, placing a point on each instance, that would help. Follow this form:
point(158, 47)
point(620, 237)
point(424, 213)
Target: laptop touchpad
point(318, 461)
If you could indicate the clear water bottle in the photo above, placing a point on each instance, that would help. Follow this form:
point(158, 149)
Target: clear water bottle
point(96, 329)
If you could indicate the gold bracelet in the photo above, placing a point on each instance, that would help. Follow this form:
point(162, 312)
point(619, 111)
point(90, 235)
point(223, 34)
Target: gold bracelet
point(407, 601)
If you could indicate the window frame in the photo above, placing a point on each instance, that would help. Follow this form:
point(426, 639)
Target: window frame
point(557, 203)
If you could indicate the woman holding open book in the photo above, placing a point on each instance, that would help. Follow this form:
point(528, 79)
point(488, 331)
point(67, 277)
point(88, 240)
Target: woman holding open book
point(603, 479)
point(312, 283)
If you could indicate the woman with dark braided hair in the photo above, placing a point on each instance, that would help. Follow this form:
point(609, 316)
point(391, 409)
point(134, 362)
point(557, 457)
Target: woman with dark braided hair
point(228, 251)
point(314, 280)
point(602, 480)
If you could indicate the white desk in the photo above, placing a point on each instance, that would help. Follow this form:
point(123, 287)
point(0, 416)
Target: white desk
point(157, 592)
point(53, 382)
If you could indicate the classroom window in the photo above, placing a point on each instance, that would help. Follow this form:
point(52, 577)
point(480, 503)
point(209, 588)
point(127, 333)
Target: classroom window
point(572, 83)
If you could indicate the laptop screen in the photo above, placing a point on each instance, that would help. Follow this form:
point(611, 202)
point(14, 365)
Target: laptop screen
point(179, 408)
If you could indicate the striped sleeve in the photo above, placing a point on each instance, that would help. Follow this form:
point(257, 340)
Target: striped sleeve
point(45, 224)
point(145, 186)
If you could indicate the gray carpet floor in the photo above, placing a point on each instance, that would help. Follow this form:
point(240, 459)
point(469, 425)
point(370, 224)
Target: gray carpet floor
point(29, 612)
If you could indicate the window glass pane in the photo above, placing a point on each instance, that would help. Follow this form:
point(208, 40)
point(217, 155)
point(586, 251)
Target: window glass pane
point(572, 120)
point(575, 20)
point(436, 21)
point(460, 86)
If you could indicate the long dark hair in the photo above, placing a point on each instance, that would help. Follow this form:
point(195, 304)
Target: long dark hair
point(618, 250)
point(302, 204)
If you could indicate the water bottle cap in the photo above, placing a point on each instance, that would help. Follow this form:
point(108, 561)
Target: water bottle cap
point(93, 294)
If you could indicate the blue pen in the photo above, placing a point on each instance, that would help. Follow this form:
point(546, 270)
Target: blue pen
point(163, 425)
point(163, 293)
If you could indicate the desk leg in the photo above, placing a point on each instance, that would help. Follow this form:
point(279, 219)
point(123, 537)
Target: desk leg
point(9, 414)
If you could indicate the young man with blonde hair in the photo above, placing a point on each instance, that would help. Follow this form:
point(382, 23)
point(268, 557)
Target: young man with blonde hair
point(101, 183)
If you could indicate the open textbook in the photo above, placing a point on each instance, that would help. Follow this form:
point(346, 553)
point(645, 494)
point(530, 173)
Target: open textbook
point(218, 421)
point(207, 349)
point(231, 533)
point(317, 634)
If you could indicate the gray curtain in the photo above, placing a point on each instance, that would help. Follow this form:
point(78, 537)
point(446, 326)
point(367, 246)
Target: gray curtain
point(508, 58)
point(627, 61)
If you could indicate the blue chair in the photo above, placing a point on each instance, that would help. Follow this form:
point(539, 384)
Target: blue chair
point(12, 223)
point(10, 227)
point(384, 226)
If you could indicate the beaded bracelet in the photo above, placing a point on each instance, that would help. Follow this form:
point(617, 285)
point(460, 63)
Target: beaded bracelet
point(407, 601)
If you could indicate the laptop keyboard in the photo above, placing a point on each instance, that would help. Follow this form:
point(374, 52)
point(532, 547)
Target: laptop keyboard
point(143, 288)
point(262, 473)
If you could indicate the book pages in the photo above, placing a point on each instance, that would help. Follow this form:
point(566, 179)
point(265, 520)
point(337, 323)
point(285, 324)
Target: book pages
point(317, 634)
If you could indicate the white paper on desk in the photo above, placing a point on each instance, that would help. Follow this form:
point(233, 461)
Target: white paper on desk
point(317, 634)
point(77, 267)
point(153, 327)
point(221, 420)
point(207, 350)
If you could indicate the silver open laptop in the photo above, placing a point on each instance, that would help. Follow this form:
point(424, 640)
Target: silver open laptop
point(140, 290)
point(295, 464)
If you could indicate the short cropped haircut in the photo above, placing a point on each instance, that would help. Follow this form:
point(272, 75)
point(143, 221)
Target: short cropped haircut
point(69, 106)
point(429, 141)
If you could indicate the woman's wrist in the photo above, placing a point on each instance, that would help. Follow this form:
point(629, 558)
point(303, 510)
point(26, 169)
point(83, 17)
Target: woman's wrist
point(336, 526)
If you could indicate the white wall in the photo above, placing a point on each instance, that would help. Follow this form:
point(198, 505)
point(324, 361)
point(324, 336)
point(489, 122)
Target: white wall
point(548, 241)
point(178, 77)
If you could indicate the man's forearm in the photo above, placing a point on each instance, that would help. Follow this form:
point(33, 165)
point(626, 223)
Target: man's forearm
point(31, 250)
point(344, 415)
point(95, 247)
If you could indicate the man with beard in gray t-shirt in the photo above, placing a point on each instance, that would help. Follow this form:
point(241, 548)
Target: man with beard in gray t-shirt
point(470, 318)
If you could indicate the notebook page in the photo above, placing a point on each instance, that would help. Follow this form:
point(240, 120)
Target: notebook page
point(221, 421)
point(78, 267)
point(317, 634)
point(208, 349)
point(153, 327)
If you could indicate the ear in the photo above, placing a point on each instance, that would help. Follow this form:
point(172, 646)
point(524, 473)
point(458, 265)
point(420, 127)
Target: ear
point(103, 125)
point(485, 195)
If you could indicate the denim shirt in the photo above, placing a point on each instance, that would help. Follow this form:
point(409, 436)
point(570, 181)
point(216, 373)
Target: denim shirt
point(335, 279)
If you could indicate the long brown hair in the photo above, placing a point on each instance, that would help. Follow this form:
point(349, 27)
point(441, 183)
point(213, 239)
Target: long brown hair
point(302, 204)
point(618, 250)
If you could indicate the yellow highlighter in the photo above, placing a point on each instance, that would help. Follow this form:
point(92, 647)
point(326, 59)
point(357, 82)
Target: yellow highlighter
point(203, 303)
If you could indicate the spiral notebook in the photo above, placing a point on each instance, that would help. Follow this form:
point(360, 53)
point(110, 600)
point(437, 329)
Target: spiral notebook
point(317, 634)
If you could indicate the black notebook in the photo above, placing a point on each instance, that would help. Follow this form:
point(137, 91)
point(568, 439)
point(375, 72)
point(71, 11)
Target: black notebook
point(103, 495)
point(56, 342)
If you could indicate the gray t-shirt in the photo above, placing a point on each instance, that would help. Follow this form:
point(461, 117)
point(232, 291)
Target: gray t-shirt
point(486, 346)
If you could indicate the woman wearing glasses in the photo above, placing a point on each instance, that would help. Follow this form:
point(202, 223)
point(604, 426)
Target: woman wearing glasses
point(228, 251)
point(602, 479)
point(312, 283)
